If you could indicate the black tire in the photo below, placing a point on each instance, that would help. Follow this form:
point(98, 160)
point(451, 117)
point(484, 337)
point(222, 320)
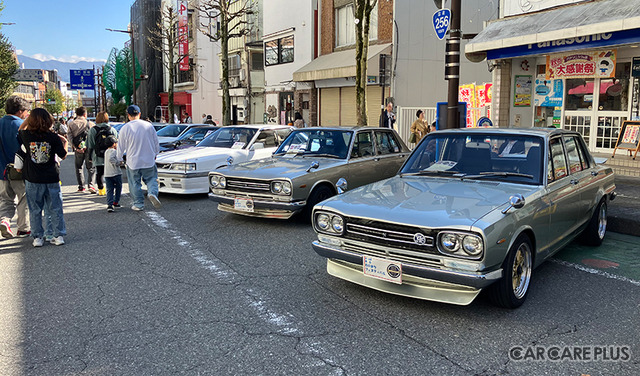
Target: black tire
point(593, 234)
point(511, 291)
point(320, 193)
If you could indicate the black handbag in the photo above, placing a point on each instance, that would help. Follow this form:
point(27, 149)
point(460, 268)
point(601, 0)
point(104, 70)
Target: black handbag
point(10, 172)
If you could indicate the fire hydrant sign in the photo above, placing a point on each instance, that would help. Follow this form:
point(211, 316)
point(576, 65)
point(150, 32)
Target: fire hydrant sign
point(183, 34)
point(441, 19)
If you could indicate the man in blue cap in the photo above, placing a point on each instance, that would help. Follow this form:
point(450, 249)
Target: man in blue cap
point(139, 142)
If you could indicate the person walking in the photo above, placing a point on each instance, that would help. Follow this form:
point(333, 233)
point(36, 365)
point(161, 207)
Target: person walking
point(139, 141)
point(77, 131)
point(112, 174)
point(388, 118)
point(97, 146)
point(39, 147)
point(17, 110)
point(418, 128)
point(299, 121)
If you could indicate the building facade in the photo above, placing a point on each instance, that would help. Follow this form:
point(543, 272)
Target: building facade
point(564, 63)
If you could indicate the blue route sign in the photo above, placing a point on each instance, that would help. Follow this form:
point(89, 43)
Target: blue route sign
point(81, 79)
point(441, 20)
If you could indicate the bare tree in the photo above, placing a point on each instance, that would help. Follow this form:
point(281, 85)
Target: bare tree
point(362, 15)
point(233, 20)
point(165, 39)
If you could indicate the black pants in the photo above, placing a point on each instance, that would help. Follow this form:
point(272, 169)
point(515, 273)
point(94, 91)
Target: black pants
point(84, 159)
point(99, 174)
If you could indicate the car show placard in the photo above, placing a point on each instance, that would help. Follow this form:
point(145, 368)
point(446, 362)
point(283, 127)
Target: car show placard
point(629, 138)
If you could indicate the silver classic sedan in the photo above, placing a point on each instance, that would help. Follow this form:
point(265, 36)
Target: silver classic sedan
point(311, 165)
point(470, 209)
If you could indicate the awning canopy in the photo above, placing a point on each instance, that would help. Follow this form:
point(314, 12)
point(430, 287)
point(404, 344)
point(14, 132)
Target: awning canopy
point(572, 27)
point(340, 64)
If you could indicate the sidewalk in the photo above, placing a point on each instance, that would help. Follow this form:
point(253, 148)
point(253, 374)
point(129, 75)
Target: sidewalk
point(624, 211)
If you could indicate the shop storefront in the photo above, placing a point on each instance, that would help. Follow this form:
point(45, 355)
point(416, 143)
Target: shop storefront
point(551, 69)
point(181, 105)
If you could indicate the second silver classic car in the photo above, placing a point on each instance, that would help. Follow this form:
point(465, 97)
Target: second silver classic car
point(470, 209)
point(312, 164)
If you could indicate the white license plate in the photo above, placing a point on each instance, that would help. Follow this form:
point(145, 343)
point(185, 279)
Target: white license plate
point(386, 270)
point(243, 204)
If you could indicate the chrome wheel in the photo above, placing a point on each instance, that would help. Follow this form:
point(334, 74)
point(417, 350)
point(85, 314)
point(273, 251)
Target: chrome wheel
point(521, 271)
point(602, 220)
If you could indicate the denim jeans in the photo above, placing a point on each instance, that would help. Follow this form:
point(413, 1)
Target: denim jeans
point(45, 198)
point(114, 189)
point(149, 176)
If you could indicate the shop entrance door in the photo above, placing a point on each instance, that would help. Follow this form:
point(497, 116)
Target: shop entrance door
point(596, 108)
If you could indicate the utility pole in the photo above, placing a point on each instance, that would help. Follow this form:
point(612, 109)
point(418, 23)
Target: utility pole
point(452, 66)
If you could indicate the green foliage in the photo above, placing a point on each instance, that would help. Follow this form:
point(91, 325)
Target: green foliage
point(8, 67)
point(54, 101)
point(109, 76)
point(123, 74)
point(119, 110)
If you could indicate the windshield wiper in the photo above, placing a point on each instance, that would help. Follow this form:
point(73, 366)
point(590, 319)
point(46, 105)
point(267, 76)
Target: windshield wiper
point(432, 173)
point(319, 154)
point(496, 173)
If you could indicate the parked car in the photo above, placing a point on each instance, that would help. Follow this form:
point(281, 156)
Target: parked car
point(157, 126)
point(170, 132)
point(470, 209)
point(186, 171)
point(307, 168)
point(189, 138)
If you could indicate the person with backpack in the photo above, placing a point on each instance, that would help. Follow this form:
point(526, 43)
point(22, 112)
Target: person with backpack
point(97, 144)
point(77, 131)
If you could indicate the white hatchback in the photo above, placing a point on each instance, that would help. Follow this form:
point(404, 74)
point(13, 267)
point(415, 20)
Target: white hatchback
point(185, 171)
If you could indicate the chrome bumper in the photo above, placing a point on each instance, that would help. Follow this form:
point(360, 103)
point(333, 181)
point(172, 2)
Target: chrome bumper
point(474, 280)
point(262, 208)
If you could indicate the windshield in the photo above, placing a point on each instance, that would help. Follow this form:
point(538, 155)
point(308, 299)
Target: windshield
point(229, 137)
point(196, 134)
point(505, 157)
point(330, 143)
point(171, 130)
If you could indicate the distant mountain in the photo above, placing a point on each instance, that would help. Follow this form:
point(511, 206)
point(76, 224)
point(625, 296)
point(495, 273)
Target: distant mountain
point(62, 67)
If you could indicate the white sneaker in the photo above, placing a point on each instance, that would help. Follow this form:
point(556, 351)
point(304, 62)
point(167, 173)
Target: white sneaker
point(38, 242)
point(154, 200)
point(57, 241)
point(135, 208)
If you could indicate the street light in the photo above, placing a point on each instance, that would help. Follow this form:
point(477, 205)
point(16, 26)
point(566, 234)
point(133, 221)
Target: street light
point(133, 58)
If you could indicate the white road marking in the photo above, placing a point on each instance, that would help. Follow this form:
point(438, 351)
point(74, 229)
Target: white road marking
point(596, 271)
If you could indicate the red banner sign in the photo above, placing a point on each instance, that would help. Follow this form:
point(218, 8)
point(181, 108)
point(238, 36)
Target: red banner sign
point(582, 65)
point(183, 34)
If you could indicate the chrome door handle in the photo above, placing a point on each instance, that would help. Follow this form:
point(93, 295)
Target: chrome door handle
point(594, 173)
point(575, 181)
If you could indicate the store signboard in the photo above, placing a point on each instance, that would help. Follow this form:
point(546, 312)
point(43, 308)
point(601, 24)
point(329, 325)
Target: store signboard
point(547, 93)
point(582, 64)
point(183, 34)
point(517, 7)
point(522, 91)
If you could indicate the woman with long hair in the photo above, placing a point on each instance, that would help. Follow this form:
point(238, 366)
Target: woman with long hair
point(39, 147)
point(101, 130)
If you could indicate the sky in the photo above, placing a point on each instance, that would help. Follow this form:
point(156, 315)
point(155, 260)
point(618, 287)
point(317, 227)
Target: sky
point(66, 30)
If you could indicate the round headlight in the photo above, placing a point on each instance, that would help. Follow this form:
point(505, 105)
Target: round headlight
point(472, 245)
point(223, 182)
point(276, 187)
point(323, 221)
point(286, 188)
point(450, 242)
point(337, 223)
point(214, 180)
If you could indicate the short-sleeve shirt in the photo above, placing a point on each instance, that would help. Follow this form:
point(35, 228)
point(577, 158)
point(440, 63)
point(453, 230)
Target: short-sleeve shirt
point(39, 159)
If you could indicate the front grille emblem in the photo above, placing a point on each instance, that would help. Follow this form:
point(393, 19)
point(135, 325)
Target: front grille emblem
point(419, 239)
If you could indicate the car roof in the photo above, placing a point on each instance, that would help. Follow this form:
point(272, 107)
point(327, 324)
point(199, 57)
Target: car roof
point(533, 131)
point(258, 126)
point(346, 128)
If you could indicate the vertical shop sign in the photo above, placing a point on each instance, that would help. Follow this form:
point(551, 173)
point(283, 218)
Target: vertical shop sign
point(522, 91)
point(467, 94)
point(589, 64)
point(183, 35)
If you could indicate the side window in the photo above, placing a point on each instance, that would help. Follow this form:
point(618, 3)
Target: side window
point(363, 145)
point(583, 154)
point(385, 143)
point(281, 134)
point(575, 164)
point(268, 138)
point(559, 163)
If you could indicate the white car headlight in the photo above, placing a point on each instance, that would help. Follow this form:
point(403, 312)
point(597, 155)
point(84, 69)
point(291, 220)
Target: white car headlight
point(329, 223)
point(286, 188)
point(472, 244)
point(223, 182)
point(218, 181)
point(183, 166)
point(322, 221)
point(276, 187)
point(337, 224)
point(281, 187)
point(461, 244)
point(450, 242)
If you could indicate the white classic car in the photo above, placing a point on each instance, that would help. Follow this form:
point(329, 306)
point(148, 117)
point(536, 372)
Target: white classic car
point(185, 171)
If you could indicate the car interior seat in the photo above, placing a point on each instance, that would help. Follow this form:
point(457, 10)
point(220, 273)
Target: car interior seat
point(475, 158)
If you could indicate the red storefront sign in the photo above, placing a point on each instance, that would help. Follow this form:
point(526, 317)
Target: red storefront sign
point(183, 35)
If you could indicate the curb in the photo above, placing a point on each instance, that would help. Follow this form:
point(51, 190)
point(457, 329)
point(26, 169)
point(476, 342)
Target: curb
point(623, 225)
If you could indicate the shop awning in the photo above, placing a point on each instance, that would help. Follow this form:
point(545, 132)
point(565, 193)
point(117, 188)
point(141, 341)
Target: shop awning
point(340, 64)
point(584, 25)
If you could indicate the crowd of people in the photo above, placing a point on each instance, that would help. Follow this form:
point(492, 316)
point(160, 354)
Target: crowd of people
point(32, 144)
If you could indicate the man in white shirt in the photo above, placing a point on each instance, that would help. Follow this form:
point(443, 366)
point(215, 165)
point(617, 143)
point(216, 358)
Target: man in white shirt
point(139, 141)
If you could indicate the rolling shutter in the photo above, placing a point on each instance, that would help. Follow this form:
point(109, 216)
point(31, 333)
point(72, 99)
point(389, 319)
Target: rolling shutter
point(329, 107)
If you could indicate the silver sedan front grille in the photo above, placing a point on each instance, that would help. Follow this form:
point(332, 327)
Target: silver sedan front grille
point(417, 240)
point(248, 186)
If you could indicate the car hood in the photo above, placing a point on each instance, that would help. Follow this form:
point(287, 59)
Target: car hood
point(426, 201)
point(279, 167)
point(194, 154)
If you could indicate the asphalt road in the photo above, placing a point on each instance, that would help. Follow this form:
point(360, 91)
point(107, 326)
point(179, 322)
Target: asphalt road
point(190, 290)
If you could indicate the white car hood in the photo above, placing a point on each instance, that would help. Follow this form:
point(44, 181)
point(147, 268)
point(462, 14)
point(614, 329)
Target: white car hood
point(196, 155)
point(162, 140)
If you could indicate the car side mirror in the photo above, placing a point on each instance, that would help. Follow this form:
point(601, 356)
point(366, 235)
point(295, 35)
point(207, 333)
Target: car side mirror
point(341, 185)
point(257, 146)
point(314, 165)
point(516, 201)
